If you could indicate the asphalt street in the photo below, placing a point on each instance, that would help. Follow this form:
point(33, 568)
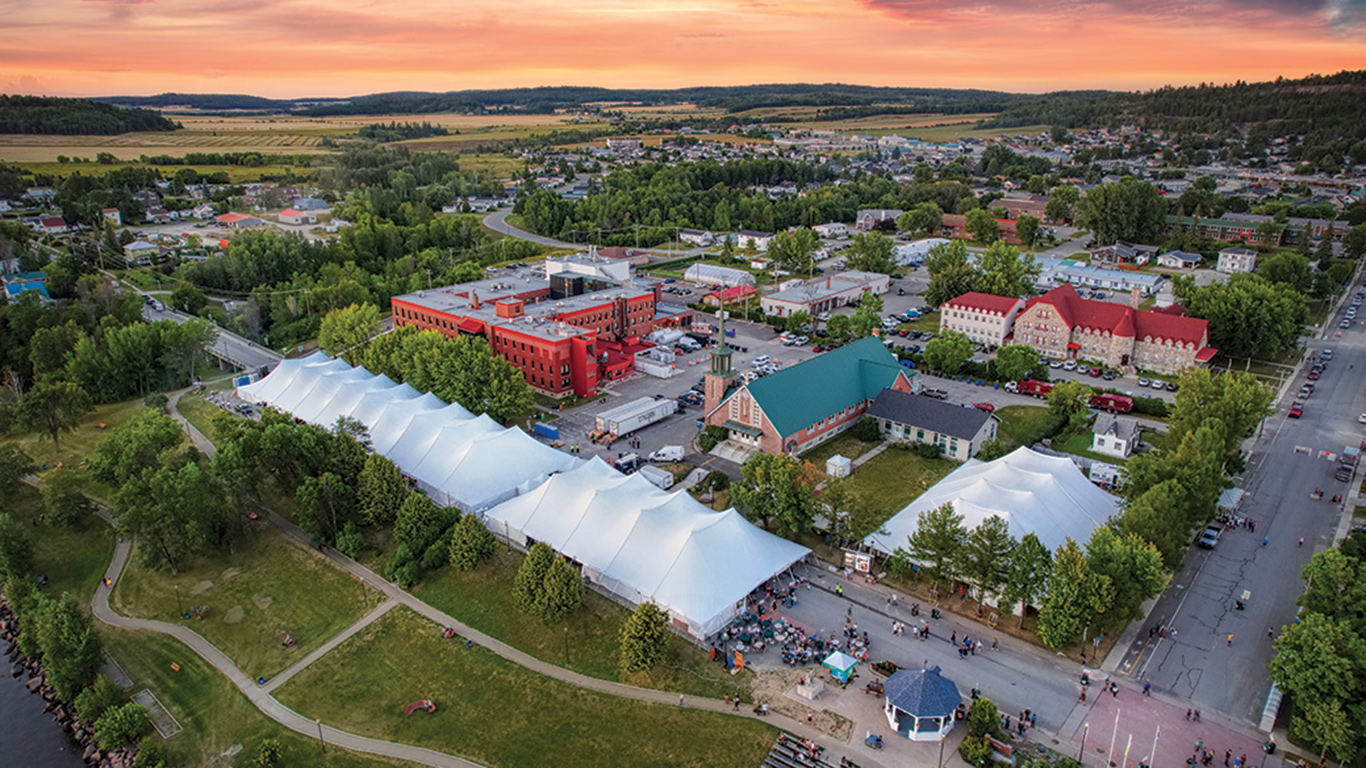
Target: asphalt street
point(1286, 465)
point(228, 346)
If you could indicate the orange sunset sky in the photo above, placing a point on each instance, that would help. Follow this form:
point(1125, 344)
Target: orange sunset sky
point(293, 48)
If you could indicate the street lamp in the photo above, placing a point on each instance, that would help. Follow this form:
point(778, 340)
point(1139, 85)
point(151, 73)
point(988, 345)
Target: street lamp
point(178, 603)
point(1085, 729)
point(321, 740)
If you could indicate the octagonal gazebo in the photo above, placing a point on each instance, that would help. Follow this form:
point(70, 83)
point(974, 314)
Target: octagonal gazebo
point(920, 704)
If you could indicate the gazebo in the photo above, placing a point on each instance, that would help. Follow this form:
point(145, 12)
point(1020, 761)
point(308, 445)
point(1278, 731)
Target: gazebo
point(920, 704)
point(841, 665)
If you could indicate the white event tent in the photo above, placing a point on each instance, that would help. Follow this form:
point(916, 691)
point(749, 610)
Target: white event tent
point(648, 545)
point(1044, 495)
point(457, 458)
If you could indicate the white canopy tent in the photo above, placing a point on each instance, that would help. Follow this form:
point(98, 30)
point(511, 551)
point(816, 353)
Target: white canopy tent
point(457, 458)
point(1044, 495)
point(648, 545)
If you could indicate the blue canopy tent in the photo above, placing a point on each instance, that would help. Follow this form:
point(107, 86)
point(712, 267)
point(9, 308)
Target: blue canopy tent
point(841, 665)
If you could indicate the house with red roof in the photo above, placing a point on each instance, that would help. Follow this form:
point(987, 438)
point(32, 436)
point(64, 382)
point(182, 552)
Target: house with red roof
point(295, 216)
point(955, 225)
point(982, 317)
point(728, 295)
point(238, 221)
point(52, 225)
point(1061, 324)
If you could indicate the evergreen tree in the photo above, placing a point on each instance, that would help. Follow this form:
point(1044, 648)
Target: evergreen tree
point(986, 556)
point(1027, 574)
point(471, 544)
point(16, 551)
point(644, 637)
point(937, 544)
point(561, 593)
point(526, 586)
point(382, 490)
point(418, 522)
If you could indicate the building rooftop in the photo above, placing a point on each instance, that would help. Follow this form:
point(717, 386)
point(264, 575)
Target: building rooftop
point(828, 286)
point(927, 413)
point(984, 302)
point(798, 397)
point(1103, 315)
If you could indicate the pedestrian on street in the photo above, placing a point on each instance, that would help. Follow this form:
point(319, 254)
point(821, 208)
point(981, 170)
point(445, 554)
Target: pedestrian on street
point(993, 644)
point(1263, 541)
point(1147, 687)
point(1230, 640)
point(680, 699)
point(1188, 714)
point(1197, 714)
point(1114, 690)
point(1301, 541)
point(953, 639)
point(737, 702)
point(1228, 754)
point(1270, 631)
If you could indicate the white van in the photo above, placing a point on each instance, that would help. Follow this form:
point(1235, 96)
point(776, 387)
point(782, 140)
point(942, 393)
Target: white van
point(761, 361)
point(668, 453)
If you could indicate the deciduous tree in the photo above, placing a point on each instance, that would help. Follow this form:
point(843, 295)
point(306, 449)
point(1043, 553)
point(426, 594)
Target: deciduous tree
point(872, 252)
point(982, 226)
point(72, 654)
point(923, 219)
point(1003, 270)
point(16, 550)
point(382, 490)
point(774, 491)
point(135, 445)
point(1133, 567)
point(1015, 362)
point(1076, 596)
point(64, 499)
point(951, 273)
point(15, 465)
point(986, 556)
point(121, 726)
point(561, 593)
point(948, 352)
point(347, 329)
point(1129, 210)
point(1069, 399)
point(1027, 573)
point(53, 408)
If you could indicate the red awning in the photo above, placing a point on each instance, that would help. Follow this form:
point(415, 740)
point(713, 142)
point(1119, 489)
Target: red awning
point(1206, 354)
point(1074, 346)
point(471, 326)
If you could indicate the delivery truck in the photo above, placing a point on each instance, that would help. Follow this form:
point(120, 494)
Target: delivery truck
point(634, 415)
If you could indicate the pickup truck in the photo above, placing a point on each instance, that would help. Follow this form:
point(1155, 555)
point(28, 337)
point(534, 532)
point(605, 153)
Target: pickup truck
point(937, 394)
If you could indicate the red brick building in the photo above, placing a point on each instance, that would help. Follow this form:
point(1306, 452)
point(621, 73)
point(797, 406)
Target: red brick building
point(556, 343)
point(956, 226)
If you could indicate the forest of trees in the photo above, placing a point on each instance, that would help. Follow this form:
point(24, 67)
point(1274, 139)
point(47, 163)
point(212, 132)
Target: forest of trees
point(399, 131)
point(44, 115)
point(1318, 107)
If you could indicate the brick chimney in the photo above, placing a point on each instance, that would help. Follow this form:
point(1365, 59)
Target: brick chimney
point(474, 299)
point(1134, 297)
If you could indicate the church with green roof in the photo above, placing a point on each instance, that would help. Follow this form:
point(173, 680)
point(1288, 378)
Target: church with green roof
point(798, 408)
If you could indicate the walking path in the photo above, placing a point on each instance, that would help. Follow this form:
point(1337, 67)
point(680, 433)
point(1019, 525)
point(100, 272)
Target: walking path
point(322, 650)
point(260, 696)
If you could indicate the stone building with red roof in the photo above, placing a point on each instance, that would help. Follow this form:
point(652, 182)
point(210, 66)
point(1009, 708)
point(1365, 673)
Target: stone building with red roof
point(1061, 324)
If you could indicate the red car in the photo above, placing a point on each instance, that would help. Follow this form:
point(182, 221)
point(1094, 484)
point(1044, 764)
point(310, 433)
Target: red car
point(988, 407)
point(1296, 410)
point(1313, 375)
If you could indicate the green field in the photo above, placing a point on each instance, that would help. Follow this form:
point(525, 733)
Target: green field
point(483, 599)
point(1023, 425)
point(215, 717)
point(270, 586)
point(499, 714)
point(198, 412)
point(927, 322)
point(894, 478)
point(237, 173)
point(845, 445)
point(71, 559)
point(78, 444)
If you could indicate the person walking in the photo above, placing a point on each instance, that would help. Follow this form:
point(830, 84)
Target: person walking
point(1270, 631)
point(680, 699)
point(1147, 687)
point(1188, 714)
point(1228, 755)
point(1230, 640)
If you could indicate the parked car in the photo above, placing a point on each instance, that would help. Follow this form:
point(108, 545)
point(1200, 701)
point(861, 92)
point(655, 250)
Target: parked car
point(988, 407)
point(1108, 375)
point(1296, 410)
point(1055, 364)
point(1158, 384)
point(1172, 386)
point(1210, 537)
point(1083, 370)
point(1142, 382)
point(1313, 376)
point(1070, 365)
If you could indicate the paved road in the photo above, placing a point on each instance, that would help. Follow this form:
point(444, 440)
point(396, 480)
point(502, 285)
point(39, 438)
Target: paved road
point(1199, 664)
point(497, 221)
point(228, 346)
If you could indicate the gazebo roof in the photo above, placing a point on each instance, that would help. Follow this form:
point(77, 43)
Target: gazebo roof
point(923, 693)
point(840, 660)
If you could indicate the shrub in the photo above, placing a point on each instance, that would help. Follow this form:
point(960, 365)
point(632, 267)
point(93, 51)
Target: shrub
point(1150, 406)
point(929, 450)
point(351, 541)
point(151, 753)
point(119, 726)
point(95, 700)
point(710, 437)
point(270, 753)
point(866, 430)
point(717, 480)
point(401, 557)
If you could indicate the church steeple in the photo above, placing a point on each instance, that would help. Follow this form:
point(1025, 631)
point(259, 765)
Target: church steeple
point(721, 375)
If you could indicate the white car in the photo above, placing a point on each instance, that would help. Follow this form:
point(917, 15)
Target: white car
point(1070, 365)
point(1142, 382)
point(1362, 418)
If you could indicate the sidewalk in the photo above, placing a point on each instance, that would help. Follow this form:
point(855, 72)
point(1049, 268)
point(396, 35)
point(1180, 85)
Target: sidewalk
point(1135, 722)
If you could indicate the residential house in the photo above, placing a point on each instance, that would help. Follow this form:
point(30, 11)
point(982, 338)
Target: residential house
point(158, 216)
point(955, 225)
point(1236, 260)
point(1114, 435)
point(14, 288)
point(698, 237)
point(868, 218)
point(1179, 260)
point(238, 221)
point(748, 238)
point(798, 408)
point(1061, 324)
point(40, 194)
point(202, 211)
point(1016, 207)
point(112, 215)
point(1124, 254)
point(141, 252)
point(295, 216)
point(5, 206)
point(982, 317)
point(834, 230)
point(52, 225)
point(906, 418)
point(309, 204)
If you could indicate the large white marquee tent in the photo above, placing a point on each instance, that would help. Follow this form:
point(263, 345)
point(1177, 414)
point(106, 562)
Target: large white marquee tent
point(647, 545)
point(1044, 495)
point(457, 458)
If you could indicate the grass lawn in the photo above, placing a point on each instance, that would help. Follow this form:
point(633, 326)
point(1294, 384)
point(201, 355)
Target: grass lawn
point(1079, 444)
point(484, 600)
point(927, 322)
point(845, 445)
point(72, 559)
point(214, 716)
point(198, 412)
point(894, 478)
point(1023, 424)
point(271, 586)
point(78, 444)
point(496, 713)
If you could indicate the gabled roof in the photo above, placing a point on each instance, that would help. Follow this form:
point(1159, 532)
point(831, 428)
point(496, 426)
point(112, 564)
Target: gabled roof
point(984, 302)
point(1107, 316)
point(290, 212)
point(52, 221)
point(922, 692)
point(1110, 424)
point(799, 396)
point(928, 413)
point(231, 218)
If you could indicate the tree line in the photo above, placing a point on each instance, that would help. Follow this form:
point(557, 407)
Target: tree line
point(396, 131)
point(47, 115)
